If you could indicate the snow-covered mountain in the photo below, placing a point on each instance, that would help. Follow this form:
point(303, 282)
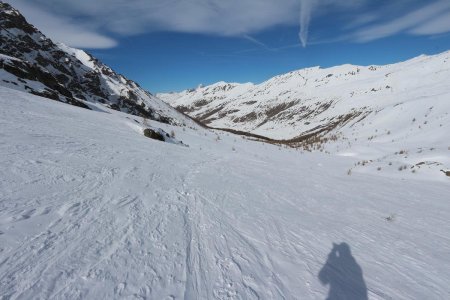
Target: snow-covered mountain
point(31, 62)
point(398, 101)
point(91, 209)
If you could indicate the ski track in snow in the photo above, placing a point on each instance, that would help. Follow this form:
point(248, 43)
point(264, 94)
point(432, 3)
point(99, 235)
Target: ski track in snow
point(91, 209)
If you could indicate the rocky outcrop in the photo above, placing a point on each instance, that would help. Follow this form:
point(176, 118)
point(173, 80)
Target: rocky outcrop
point(31, 62)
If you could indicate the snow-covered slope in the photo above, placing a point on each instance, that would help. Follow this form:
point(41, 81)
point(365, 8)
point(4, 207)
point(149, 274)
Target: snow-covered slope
point(31, 62)
point(91, 209)
point(381, 114)
point(406, 99)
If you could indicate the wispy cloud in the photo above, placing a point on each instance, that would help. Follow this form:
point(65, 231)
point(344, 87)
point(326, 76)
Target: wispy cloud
point(99, 23)
point(256, 42)
point(438, 25)
point(64, 29)
point(430, 19)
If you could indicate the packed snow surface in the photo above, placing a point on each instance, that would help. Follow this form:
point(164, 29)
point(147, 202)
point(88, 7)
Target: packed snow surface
point(92, 209)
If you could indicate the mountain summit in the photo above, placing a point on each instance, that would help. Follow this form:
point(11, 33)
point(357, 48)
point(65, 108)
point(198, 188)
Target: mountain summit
point(31, 62)
point(356, 101)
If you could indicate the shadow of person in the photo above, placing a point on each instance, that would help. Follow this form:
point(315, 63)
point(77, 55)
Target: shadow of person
point(343, 274)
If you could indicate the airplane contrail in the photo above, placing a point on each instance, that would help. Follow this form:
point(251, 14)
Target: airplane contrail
point(306, 9)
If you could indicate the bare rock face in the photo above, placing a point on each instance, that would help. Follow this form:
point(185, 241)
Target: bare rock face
point(31, 62)
point(152, 134)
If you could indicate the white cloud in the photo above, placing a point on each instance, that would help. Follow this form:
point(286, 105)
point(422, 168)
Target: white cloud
point(437, 25)
point(230, 17)
point(419, 21)
point(91, 23)
point(63, 29)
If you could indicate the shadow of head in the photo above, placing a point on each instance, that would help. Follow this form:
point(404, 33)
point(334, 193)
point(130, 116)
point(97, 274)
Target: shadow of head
point(343, 274)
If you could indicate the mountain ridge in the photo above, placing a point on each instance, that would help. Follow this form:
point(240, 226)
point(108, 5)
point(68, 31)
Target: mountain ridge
point(305, 101)
point(69, 75)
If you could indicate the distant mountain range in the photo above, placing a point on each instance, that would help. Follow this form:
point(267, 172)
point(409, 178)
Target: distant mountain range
point(355, 102)
point(31, 62)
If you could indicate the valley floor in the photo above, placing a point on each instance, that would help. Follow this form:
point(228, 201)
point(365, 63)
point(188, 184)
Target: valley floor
point(91, 209)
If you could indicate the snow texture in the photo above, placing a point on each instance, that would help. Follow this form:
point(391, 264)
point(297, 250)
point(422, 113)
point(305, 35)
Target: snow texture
point(92, 209)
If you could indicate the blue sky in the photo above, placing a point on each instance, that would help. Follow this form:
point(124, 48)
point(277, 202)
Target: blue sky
point(170, 45)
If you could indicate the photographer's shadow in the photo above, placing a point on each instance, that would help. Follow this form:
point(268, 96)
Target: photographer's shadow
point(343, 274)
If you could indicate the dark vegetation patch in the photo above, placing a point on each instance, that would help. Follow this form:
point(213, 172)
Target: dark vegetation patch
point(272, 112)
point(313, 139)
point(308, 112)
point(247, 134)
point(364, 115)
point(185, 109)
point(277, 110)
point(205, 118)
point(247, 118)
point(200, 103)
point(223, 114)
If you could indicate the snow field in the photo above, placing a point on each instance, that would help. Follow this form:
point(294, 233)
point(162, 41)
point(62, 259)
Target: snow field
point(90, 208)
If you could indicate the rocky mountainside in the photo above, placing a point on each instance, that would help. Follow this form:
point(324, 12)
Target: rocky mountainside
point(352, 101)
point(29, 61)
